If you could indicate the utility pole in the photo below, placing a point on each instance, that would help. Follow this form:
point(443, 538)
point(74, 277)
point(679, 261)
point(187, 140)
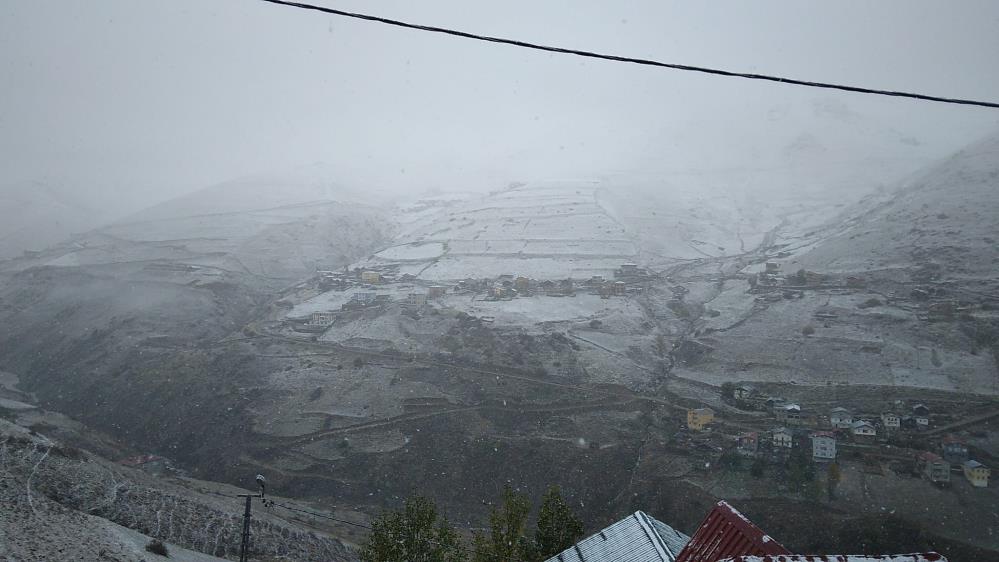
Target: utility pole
point(244, 545)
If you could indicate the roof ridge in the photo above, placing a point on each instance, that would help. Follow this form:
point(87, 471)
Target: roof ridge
point(665, 554)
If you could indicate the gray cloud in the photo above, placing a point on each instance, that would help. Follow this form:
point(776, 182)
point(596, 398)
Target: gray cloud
point(141, 101)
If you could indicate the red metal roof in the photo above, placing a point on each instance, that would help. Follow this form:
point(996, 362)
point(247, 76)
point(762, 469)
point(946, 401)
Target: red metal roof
point(725, 533)
point(917, 557)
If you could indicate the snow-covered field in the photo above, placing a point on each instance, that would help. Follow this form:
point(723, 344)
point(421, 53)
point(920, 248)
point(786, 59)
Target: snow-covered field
point(534, 310)
point(412, 252)
point(548, 230)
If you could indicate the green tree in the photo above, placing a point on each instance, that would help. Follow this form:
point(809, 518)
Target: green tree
point(728, 391)
point(833, 476)
point(799, 470)
point(507, 540)
point(416, 533)
point(730, 460)
point(558, 527)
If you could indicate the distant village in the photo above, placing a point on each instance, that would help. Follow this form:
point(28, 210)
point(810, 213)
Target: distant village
point(904, 435)
point(932, 302)
point(629, 279)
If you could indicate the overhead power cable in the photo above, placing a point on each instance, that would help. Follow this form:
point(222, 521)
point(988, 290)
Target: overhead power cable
point(645, 62)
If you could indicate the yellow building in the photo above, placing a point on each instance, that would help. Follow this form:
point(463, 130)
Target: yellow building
point(370, 277)
point(697, 418)
point(977, 473)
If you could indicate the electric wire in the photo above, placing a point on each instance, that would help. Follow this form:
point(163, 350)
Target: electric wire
point(632, 60)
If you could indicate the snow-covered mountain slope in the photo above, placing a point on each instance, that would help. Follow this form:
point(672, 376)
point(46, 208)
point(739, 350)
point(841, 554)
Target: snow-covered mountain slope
point(920, 311)
point(306, 185)
point(547, 230)
point(944, 225)
point(35, 215)
point(280, 228)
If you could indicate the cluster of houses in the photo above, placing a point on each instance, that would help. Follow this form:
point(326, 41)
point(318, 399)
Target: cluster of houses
point(954, 453)
point(787, 413)
point(504, 287)
point(822, 433)
point(508, 286)
point(771, 278)
point(773, 285)
point(627, 280)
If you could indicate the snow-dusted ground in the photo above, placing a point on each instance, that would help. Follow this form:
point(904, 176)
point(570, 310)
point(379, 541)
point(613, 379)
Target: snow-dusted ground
point(533, 267)
point(412, 252)
point(547, 230)
point(526, 311)
point(332, 300)
point(880, 346)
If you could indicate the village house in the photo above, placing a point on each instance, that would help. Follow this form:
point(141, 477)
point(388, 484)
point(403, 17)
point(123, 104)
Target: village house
point(698, 418)
point(891, 421)
point(813, 278)
point(725, 535)
point(636, 537)
point(921, 414)
point(976, 473)
point(567, 287)
point(606, 290)
point(619, 288)
point(372, 277)
point(359, 300)
point(630, 271)
point(863, 429)
point(320, 319)
point(823, 446)
point(743, 392)
point(933, 468)
point(782, 438)
point(773, 403)
point(840, 418)
point(416, 300)
point(436, 291)
point(789, 414)
point(748, 443)
point(522, 284)
point(954, 449)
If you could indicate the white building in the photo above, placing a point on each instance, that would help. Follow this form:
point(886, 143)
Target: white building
point(891, 420)
point(416, 299)
point(782, 438)
point(322, 319)
point(636, 537)
point(823, 446)
point(840, 418)
point(862, 428)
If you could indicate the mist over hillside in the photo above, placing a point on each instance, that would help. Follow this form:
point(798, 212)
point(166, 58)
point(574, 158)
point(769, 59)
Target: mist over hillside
point(290, 282)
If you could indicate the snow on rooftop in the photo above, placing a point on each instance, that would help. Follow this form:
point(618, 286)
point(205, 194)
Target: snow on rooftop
point(636, 538)
point(726, 532)
point(916, 557)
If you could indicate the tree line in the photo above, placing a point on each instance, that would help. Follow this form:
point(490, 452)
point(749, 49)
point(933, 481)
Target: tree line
point(418, 532)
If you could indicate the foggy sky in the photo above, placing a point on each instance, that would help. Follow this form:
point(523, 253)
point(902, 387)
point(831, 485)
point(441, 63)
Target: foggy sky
point(146, 100)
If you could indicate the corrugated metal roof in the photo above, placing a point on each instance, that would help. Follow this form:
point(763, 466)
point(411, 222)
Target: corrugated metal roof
point(636, 538)
point(725, 533)
point(917, 557)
